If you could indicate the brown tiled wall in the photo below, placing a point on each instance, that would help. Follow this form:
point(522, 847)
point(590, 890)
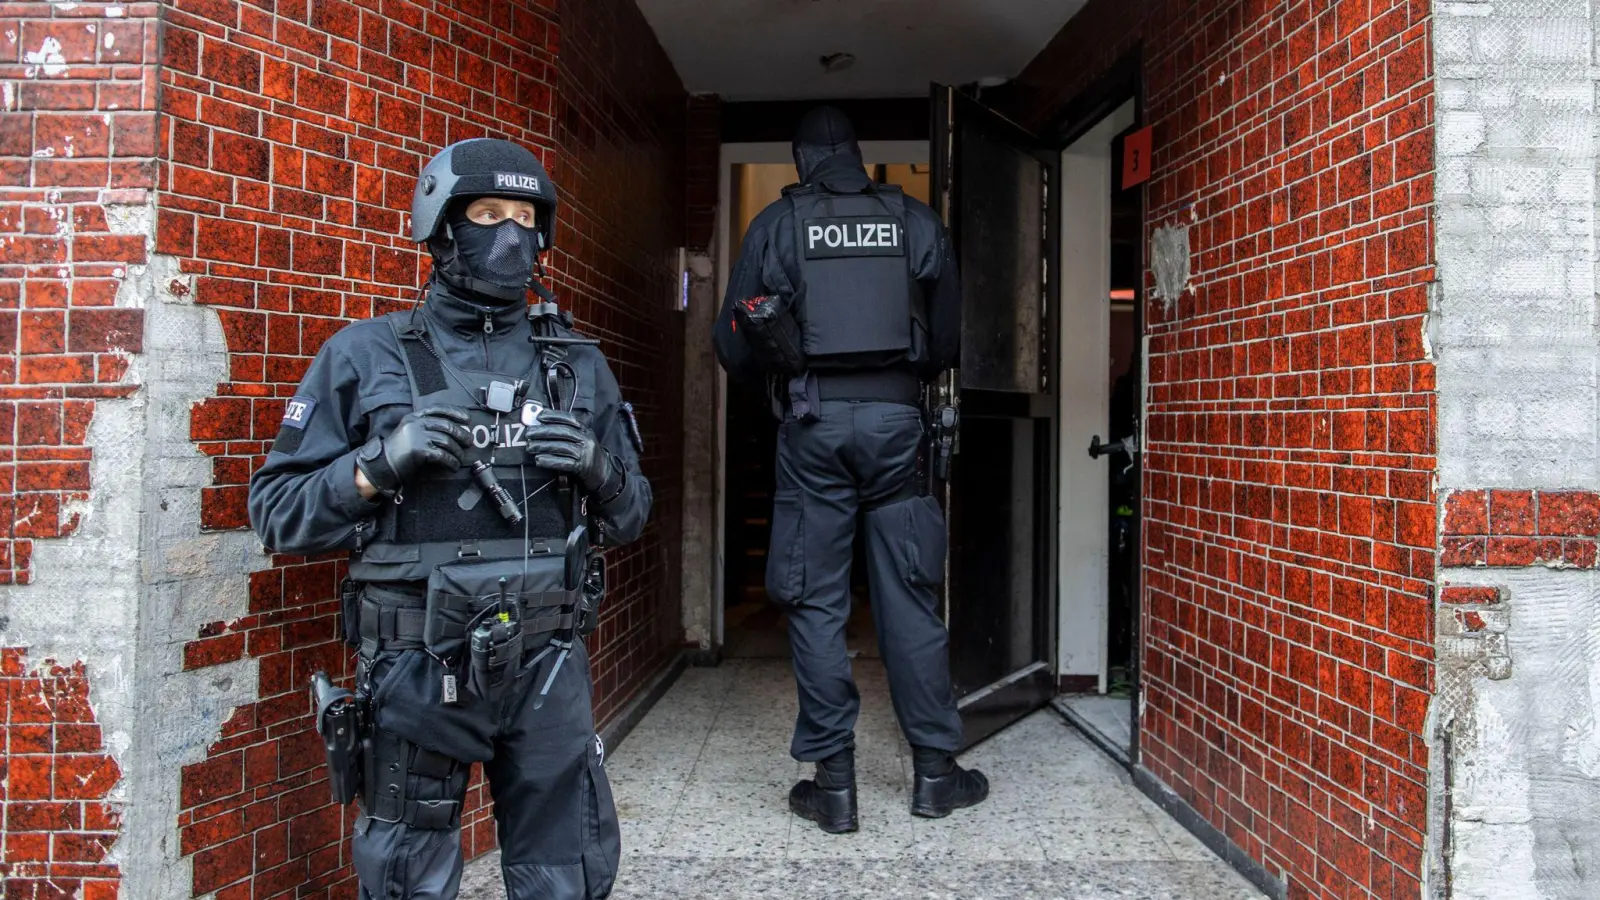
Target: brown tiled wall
point(621, 143)
point(1502, 529)
point(59, 820)
point(700, 175)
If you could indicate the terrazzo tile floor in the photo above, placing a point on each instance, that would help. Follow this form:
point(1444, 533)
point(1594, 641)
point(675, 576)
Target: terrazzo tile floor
point(701, 787)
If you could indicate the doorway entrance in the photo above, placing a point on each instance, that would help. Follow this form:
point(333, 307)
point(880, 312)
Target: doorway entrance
point(1040, 587)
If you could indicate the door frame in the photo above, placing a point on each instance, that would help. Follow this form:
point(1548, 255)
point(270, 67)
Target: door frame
point(1121, 83)
point(747, 153)
point(1085, 277)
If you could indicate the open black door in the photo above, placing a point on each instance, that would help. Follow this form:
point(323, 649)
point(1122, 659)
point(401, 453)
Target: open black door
point(992, 183)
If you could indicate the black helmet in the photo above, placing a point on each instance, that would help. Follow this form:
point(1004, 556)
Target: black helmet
point(482, 167)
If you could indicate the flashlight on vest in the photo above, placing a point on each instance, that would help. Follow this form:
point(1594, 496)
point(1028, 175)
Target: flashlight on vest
point(491, 486)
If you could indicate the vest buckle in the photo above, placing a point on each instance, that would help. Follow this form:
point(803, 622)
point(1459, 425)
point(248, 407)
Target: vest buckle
point(468, 549)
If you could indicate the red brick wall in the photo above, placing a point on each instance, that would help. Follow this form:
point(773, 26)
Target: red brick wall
point(1508, 529)
point(1290, 538)
point(57, 776)
point(77, 136)
point(291, 143)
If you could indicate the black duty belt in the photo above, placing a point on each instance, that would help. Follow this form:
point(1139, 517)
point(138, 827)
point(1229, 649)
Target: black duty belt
point(394, 620)
point(880, 386)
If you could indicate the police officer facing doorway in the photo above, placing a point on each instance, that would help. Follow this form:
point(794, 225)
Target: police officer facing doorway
point(468, 453)
point(845, 295)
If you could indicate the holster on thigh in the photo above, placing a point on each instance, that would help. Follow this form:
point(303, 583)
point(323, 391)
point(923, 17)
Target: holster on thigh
point(413, 785)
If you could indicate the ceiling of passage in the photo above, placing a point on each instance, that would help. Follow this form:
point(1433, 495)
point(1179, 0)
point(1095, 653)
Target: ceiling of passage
point(770, 49)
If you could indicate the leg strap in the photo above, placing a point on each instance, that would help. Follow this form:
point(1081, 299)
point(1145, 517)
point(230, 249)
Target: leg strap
point(407, 783)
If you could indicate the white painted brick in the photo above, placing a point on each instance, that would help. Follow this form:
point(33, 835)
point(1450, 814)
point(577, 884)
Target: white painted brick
point(1577, 93)
point(1453, 40)
point(1536, 276)
point(1563, 40)
point(1453, 177)
point(1460, 132)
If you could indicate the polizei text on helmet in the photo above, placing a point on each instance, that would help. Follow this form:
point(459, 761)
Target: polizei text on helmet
point(516, 182)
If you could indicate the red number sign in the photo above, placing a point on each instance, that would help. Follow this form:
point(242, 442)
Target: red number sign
point(1136, 158)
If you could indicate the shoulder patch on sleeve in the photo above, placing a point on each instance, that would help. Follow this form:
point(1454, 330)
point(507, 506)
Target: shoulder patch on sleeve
point(626, 410)
point(297, 412)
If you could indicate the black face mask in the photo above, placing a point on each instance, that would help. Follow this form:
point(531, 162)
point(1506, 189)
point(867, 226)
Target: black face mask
point(501, 254)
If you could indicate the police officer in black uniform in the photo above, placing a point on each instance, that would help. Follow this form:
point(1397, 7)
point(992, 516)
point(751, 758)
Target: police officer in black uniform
point(468, 453)
point(845, 296)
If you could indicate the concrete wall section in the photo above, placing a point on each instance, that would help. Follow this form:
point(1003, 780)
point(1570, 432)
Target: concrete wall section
point(1516, 787)
point(1519, 677)
point(700, 455)
point(189, 577)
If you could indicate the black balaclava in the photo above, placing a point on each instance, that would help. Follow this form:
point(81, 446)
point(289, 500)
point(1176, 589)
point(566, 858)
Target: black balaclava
point(501, 254)
point(824, 134)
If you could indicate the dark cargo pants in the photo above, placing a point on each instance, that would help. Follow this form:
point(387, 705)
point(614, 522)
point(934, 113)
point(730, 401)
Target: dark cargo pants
point(860, 458)
point(554, 814)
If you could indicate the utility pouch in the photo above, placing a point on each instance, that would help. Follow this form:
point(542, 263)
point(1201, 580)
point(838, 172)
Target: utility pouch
point(350, 611)
point(772, 332)
point(464, 592)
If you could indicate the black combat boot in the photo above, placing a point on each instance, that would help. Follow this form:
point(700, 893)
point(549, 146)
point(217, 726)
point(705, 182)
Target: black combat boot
point(941, 786)
point(830, 799)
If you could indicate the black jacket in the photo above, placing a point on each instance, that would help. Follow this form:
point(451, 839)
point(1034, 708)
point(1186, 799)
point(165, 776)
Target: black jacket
point(769, 263)
point(305, 502)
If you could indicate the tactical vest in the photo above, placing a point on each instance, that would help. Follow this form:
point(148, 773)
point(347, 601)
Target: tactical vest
point(441, 515)
point(859, 305)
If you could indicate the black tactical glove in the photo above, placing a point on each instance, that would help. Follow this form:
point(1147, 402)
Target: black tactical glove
point(436, 436)
point(560, 443)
